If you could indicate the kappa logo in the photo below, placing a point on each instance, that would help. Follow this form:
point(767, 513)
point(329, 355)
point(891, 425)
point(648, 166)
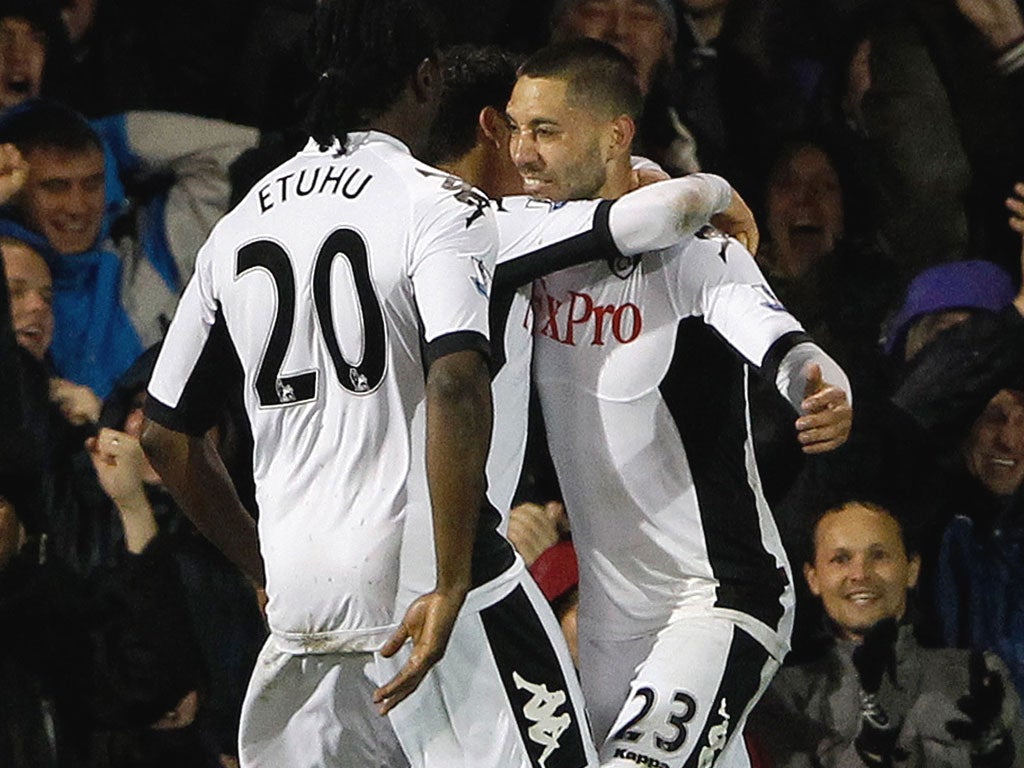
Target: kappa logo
point(285, 392)
point(541, 709)
point(639, 758)
point(358, 380)
point(482, 278)
point(464, 193)
point(717, 736)
point(708, 232)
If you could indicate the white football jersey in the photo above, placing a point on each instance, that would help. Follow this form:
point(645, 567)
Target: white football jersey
point(641, 369)
point(531, 243)
point(339, 278)
point(535, 239)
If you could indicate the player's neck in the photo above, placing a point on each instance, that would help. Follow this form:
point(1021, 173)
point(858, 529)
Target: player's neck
point(470, 168)
point(407, 121)
point(619, 180)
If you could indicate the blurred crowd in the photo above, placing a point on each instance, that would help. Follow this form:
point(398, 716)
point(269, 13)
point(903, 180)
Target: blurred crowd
point(879, 143)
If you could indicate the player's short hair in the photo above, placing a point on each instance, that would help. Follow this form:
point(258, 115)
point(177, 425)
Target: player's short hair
point(599, 76)
point(365, 52)
point(475, 76)
point(45, 124)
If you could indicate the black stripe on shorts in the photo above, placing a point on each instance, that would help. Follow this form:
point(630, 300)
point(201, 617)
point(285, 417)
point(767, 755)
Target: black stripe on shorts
point(741, 680)
point(535, 683)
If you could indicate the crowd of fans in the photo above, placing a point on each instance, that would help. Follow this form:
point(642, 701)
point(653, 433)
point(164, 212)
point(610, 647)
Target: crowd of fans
point(877, 140)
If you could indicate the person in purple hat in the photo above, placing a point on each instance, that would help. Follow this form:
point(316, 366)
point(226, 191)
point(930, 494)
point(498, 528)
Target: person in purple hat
point(943, 296)
point(958, 343)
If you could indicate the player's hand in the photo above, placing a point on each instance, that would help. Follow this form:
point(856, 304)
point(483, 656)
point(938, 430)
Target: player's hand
point(428, 622)
point(13, 172)
point(78, 403)
point(738, 221)
point(826, 414)
point(532, 528)
point(1015, 204)
point(644, 176)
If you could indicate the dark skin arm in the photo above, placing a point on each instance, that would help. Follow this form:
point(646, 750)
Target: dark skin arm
point(193, 472)
point(458, 438)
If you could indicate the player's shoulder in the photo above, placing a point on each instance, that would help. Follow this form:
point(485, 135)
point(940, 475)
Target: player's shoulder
point(439, 196)
point(514, 205)
point(710, 242)
point(524, 218)
point(708, 251)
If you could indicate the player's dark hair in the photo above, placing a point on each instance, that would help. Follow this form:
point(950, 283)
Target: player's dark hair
point(598, 75)
point(365, 52)
point(475, 76)
point(43, 124)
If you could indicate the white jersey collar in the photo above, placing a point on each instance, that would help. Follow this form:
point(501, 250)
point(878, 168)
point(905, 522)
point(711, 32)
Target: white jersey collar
point(358, 139)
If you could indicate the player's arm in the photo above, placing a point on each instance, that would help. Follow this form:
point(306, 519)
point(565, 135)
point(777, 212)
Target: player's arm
point(818, 389)
point(458, 437)
point(186, 392)
point(194, 473)
point(450, 272)
point(541, 239)
point(734, 297)
point(659, 215)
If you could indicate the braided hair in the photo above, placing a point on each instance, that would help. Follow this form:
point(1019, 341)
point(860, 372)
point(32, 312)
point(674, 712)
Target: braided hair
point(365, 51)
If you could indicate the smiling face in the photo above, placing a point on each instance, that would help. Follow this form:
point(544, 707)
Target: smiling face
point(804, 210)
point(638, 28)
point(22, 60)
point(556, 145)
point(31, 291)
point(861, 570)
point(63, 198)
point(994, 451)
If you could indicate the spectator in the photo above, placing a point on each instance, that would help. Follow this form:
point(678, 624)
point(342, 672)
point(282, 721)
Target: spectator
point(822, 256)
point(182, 58)
point(876, 697)
point(944, 80)
point(978, 592)
point(221, 603)
point(79, 656)
point(644, 31)
point(121, 287)
point(954, 343)
point(31, 292)
point(724, 92)
point(34, 51)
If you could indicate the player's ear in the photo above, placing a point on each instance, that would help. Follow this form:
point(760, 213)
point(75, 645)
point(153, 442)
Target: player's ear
point(494, 127)
point(426, 82)
point(621, 132)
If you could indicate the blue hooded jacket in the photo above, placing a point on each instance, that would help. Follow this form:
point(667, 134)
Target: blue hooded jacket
point(94, 341)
